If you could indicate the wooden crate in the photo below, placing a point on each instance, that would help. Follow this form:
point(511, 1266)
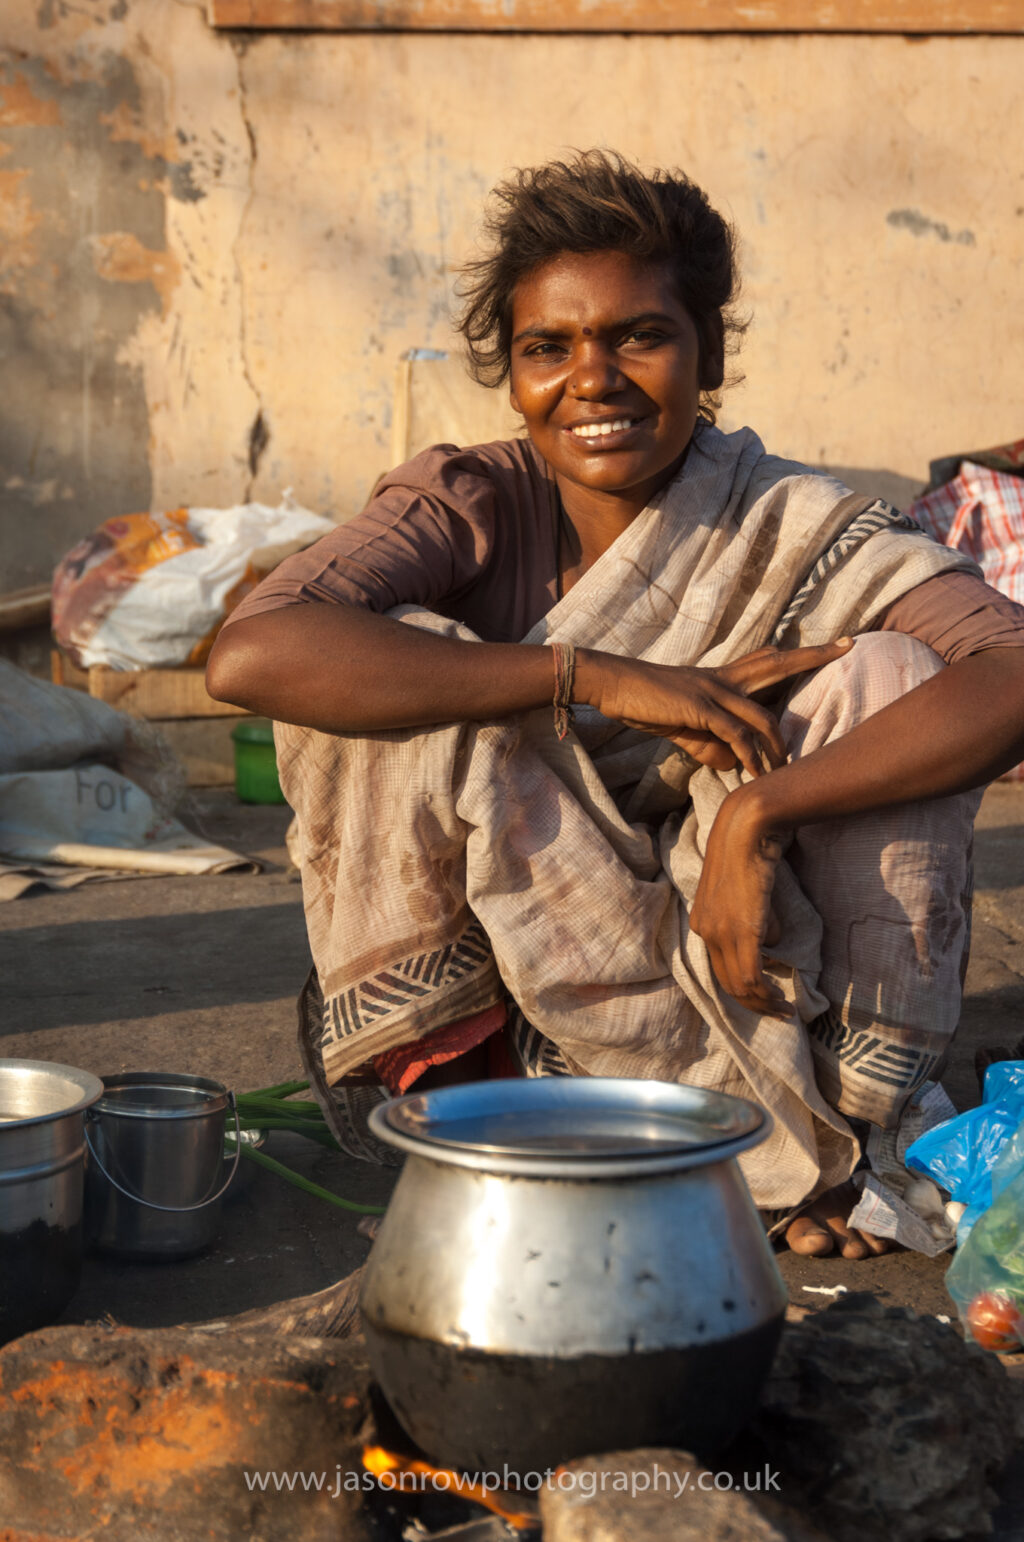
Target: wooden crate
point(197, 728)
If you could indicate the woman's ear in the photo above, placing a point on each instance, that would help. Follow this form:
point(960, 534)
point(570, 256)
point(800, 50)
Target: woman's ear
point(514, 400)
point(712, 353)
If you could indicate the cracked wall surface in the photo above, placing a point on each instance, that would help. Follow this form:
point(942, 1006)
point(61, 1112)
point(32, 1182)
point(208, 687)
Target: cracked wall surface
point(214, 248)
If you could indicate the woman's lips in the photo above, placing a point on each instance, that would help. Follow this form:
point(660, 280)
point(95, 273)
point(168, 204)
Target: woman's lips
point(607, 434)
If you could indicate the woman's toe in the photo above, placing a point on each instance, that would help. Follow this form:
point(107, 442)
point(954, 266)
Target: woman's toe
point(876, 1245)
point(857, 1244)
point(808, 1237)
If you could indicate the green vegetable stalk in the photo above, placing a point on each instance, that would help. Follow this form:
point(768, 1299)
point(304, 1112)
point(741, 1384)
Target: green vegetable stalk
point(271, 1108)
point(299, 1182)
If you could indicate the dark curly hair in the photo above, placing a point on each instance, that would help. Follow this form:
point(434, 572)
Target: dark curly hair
point(599, 201)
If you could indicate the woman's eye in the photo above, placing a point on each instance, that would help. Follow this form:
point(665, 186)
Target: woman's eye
point(543, 350)
point(644, 336)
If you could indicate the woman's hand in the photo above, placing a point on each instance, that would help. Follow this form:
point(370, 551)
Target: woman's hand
point(960, 729)
point(732, 907)
point(709, 713)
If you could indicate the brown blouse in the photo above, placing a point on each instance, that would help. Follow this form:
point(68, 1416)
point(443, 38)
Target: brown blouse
point(473, 534)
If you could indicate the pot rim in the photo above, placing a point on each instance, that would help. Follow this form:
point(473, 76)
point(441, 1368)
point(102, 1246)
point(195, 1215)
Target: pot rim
point(747, 1124)
point(89, 1087)
point(211, 1096)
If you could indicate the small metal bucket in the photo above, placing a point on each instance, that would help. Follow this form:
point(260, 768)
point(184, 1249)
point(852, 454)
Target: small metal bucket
point(155, 1176)
point(42, 1109)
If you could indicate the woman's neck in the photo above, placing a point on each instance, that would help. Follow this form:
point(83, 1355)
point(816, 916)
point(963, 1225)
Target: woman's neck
point(585, 537)
point(591, 521)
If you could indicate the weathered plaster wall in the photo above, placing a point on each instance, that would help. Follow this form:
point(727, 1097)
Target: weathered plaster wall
point(71, 418)
point(214, 248)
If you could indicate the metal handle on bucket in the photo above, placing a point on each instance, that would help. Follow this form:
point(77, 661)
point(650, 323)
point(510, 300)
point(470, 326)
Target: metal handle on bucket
point(172, 1209)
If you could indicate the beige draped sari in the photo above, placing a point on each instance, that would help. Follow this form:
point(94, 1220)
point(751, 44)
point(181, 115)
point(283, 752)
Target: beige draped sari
point(443, 868)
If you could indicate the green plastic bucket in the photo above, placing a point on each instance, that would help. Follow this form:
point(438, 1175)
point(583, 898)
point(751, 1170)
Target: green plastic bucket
point(255, 762)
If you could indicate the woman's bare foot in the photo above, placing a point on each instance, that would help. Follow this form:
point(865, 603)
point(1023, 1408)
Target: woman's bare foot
point(822, 1228)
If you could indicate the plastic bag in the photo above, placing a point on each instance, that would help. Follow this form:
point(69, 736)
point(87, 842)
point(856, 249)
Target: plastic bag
point(986, 1278)
point(151, 590)
point(965, 1155)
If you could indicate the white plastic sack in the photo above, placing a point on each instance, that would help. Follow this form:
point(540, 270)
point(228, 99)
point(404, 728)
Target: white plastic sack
point(85, 786)
point(151, 590)
point(46, 727)
point(91, 816)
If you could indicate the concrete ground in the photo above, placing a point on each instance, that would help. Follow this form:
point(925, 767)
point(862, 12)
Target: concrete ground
point(200, 975)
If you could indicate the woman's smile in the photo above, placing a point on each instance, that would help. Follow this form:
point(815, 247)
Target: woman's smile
point(605, 433)
point(606, 371)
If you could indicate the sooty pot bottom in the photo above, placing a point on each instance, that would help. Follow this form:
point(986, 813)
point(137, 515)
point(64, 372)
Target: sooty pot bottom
point(470, 1409)
point(40, 1266)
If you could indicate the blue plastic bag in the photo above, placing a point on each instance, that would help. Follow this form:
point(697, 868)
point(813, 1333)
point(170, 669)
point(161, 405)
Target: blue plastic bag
point(1002, 1077)
point(977, 1154)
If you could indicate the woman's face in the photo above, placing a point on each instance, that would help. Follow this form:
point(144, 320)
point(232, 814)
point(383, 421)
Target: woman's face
point(606, 371)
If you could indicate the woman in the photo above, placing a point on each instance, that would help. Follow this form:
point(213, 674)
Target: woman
point(744, 868)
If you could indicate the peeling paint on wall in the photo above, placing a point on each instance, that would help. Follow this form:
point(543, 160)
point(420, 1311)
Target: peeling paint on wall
point(125, 126)
point(74, 426)
point(19, 105)
point(120, 258)
point(127, 170)
point(18, 224)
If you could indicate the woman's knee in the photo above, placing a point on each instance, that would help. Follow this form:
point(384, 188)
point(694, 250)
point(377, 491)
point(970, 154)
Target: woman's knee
point(879, 669)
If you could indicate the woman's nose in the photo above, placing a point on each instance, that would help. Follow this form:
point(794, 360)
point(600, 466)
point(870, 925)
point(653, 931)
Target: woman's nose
point(594, 371)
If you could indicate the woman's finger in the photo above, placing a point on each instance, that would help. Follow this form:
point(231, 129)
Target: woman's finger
point(706, 749)
point(770, 666)
point(721, 720)
point(676, 702)
point(753, 988)
point(747, 728)
point(703, 746)
point(737, 959)
point(738, 969)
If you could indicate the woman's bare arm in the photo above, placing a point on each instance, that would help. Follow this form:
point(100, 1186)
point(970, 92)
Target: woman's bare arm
point(347, 670)
point(959, 730)
point(342, 669)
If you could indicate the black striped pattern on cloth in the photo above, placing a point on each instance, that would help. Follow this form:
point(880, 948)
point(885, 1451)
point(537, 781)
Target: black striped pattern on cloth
point(534, 1054)
point(868, 1053)
point(880, 516)
point(346, 1108)
point(400, 984)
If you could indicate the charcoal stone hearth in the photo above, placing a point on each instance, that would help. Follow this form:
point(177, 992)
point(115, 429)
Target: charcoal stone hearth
point(874, 1424)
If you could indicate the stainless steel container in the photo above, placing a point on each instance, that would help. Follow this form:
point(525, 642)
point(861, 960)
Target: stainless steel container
point(42, 1148)
point(155, 1176)
point(570, 1266)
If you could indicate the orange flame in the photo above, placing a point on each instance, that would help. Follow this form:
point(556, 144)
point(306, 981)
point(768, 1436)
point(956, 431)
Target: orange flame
point(382, 1463)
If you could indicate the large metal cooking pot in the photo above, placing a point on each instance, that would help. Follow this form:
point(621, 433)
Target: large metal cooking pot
point(570, 1265)
point(42, 1166)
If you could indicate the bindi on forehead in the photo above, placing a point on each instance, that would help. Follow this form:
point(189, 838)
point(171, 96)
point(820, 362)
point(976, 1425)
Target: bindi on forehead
point(588, 331)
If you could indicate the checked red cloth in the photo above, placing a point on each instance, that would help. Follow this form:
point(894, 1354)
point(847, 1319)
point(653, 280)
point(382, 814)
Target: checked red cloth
point(981, 513)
